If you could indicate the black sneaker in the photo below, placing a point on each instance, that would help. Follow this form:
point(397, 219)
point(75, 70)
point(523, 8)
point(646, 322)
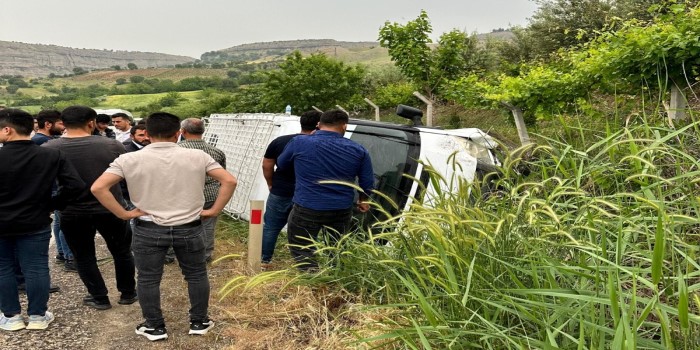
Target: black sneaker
point(60, 257)
point(201, 327)
point(90, 301)
point(69, 266)
point(152, 333)
point(128, 300)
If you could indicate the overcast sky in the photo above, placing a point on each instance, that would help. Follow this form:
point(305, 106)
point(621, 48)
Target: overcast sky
point(193, 27)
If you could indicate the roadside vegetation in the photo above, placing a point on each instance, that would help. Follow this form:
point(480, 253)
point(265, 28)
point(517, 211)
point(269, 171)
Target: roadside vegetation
point(586, 239)
point(595, 248)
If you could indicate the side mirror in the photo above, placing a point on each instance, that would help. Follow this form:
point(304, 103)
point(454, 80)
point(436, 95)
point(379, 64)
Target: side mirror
point(410, 113)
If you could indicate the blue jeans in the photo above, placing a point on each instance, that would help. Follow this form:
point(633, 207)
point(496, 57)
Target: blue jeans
point(61, 244)
point(32, 251)
point(303, 228)
point(277, 211)
point(150, 244)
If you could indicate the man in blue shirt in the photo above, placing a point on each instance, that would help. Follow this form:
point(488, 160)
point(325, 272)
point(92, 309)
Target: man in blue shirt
point(322, 156)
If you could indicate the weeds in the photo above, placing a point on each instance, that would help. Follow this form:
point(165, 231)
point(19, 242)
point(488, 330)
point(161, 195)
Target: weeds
point(595, 249)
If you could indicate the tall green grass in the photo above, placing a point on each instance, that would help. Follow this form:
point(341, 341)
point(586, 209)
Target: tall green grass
point(595, 249)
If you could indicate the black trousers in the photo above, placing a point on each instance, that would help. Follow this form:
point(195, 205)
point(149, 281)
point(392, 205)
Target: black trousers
point(79, 231)
point(303, 227)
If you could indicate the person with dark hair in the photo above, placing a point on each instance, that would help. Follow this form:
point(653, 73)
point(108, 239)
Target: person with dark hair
point(49, 126)
point(122, 122)
point(166, 182)
point(281, 185)
point(26, 179)
point(324, 155)
point(102, 126)
point(91, 155)
point(139, 138)
point(192, 130)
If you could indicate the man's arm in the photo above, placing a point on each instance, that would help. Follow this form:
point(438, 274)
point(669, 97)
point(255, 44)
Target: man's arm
point(70, 185)
point(366, 182)
point(228, 185)
point(268, 168)
point(100, 188)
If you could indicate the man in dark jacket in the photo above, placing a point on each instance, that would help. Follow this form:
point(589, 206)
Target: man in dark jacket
point(139, 139)
point(26, 179)
point(102, 126)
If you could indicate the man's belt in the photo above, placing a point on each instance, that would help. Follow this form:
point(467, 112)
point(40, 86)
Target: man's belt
point(150, 224)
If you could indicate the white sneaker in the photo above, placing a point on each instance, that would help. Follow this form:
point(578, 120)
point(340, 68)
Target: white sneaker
point(40, 322)
point(13, 323)
point(201, 327)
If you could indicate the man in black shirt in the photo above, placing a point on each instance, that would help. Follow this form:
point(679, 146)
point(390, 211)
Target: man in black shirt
point(281, 185)
point(91, 156)
point(26, 180)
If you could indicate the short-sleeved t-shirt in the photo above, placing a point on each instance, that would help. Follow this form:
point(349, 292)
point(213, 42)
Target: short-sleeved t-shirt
point(282, 179)
point(166, 181)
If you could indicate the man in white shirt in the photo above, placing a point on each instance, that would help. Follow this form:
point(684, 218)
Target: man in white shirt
point(166, 184)
point(122, 124)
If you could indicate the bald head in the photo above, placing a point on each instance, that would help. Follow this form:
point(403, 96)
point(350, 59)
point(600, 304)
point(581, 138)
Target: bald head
point(192, 128)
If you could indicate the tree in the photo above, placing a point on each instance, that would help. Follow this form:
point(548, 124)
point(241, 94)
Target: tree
point(121, 81)
point(665, 52)
point(566, 23)
point(456, 54)
point(136, 79)
point(132, 66)
point(117, 67)
point(562, 24)
point(312, 81)
point(408, 48)
point(12, 89)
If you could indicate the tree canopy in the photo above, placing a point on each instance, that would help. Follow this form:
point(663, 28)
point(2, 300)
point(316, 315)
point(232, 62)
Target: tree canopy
point(315, 80)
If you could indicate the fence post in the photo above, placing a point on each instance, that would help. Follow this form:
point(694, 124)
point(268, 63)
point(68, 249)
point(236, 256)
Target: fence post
point(429, 104)
point(376, 108)
point(676, 110)
point(519, 123)
point(342, 109)
point(255, 229)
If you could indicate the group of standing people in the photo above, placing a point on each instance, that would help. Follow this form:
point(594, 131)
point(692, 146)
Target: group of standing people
point(301, 198)
point(148, 194)
point(79, 175)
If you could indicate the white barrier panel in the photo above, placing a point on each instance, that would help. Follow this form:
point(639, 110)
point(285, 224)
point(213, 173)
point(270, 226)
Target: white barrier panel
point(244, 139)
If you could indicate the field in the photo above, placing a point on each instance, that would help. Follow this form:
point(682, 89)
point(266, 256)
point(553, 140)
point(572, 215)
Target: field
point(132, 102)
point(110, 76)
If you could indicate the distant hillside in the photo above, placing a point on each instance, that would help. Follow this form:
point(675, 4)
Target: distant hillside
point(37, 60)
point(352, 52)
point(367, 52)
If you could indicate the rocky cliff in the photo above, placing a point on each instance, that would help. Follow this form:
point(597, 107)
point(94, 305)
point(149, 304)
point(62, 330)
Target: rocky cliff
point(36, 60)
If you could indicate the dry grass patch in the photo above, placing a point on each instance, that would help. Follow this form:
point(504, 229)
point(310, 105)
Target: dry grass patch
point(275, 314)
